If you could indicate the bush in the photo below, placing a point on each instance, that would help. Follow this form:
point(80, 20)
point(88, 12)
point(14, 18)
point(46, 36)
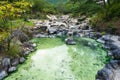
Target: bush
point(4, 25)
point(114, 10)
point(14, 50)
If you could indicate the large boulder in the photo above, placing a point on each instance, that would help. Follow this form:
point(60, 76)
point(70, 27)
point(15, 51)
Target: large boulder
point(70, 41)
point(76, 34)
point(98, 35)
point(22, 59)
point(111, 71)
point(104, 74)
point(118, 38)
point(59, 34)
point(112, 46)
point(44, 28)
point(52, 30)
point(3, 74)
point(116, 54)
point(107, 38)
point(14, 61)
point(12, 69)
point(6, 63)
point(101, 40)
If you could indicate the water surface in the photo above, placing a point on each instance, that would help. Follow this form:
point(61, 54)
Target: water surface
point(54, 60)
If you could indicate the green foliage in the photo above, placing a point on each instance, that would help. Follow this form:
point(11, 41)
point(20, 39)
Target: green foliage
point(56, 1)
point(3, 35)
point(85, 7)
point(41, 8)
point(38, 5)
point(14, 50)
point(108, 18)
point(103, 33)
point(12, 10)
point(89, 8)
point(114, 10)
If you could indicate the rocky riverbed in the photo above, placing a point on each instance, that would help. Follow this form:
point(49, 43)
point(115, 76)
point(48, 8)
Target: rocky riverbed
point(55, 60)
point(69, 30)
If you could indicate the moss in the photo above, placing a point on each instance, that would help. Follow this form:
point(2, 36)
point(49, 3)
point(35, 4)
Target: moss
point(47, 42)
point(84, 64)
point(86, 61)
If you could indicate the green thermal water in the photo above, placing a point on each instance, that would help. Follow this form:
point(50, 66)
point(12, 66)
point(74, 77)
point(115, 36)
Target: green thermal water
point(54, 60)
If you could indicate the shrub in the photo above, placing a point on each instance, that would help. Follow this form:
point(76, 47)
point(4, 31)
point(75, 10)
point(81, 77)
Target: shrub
point(14, 50)
point(114, 10)
point(103, 33)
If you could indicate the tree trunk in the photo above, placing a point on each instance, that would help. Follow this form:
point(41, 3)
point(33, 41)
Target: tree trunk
point(108, 1)
point(106, 10)
point(104, 3)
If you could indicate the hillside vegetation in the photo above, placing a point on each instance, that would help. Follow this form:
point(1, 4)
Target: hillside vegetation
point(14, 14)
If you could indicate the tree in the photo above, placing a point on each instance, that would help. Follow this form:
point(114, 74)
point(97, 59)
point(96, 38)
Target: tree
point(10, 10)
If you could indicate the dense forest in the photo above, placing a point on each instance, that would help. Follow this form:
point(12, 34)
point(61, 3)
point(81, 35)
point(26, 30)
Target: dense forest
point(16, 17)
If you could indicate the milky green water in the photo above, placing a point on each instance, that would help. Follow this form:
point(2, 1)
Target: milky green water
point(54, 60)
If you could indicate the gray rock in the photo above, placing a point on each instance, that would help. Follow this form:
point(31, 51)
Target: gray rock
point(34, 45)
point(70, 41)
point(40, 36)
point(119, 38)
point(81, 18)
point(105, 46)
point(98, 35)
point(60, 34)
point(76, 34)
point(6, 62)
point(107, 38)
point(43, 28)
point(31, 49)
point(104, 74)
point(27, 44)
point(91, 35)
point(116, 54)
point(101, 40)
point(27, 52)
point(12, 69)
point(115, 64)
point(110, 71)
point(14, 61)
point(112, 47)
point(52, 30)
point(22, 59)
point(3, 74)
point(52, 36)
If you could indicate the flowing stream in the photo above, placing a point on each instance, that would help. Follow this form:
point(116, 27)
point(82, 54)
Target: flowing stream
point(54, 60)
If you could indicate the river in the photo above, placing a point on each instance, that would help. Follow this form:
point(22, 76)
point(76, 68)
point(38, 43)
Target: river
point(54, 60)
